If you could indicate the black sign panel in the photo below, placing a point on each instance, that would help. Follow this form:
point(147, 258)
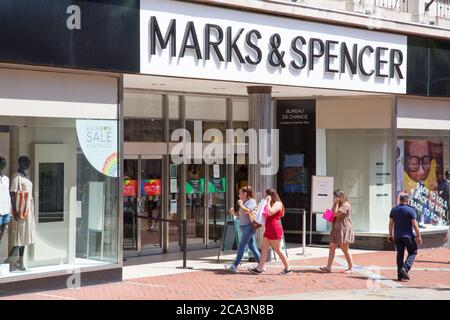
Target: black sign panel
point(297, 124)
point(428, 67)
point(86, 34)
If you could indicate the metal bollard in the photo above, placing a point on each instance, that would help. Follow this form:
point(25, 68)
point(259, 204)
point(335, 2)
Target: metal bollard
point(184, 232)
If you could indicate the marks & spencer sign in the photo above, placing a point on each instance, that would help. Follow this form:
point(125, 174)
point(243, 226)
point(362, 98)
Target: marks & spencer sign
point(189, 40)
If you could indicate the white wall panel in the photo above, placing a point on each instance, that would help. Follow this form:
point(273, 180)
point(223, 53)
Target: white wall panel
point(47, 94)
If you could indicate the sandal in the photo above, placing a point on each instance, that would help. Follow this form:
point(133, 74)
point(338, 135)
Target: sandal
point(325, 269)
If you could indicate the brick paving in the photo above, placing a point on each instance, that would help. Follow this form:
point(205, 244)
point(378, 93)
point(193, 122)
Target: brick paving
point(433, 272)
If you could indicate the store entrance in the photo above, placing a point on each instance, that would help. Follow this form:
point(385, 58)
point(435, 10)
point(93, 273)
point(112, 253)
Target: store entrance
point(205, 204)
point(143, 181)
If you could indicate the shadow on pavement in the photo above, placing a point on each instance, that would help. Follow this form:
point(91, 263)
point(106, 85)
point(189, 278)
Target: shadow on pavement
point(309, 271)
point(266, 273)
point(226, 272)
point(437, 262)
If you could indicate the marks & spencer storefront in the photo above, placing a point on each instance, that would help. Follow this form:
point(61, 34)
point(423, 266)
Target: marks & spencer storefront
point(96, 105)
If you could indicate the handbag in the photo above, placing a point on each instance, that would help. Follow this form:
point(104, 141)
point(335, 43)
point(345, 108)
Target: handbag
point(22, 203)
point(256, 225)
point(328, 215)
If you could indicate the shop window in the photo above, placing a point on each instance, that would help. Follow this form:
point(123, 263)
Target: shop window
point(422, 162)
point(143, 117)
point(360, 161)
point(174, 114)
point(59, 168)
point(210, 112)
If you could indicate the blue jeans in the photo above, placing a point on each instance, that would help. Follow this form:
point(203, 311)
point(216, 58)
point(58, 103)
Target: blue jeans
point(411, 246)
point(5, 219)
point(247, 238)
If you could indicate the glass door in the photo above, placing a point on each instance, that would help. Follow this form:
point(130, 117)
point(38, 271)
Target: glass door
point(150, 208)
point(175, 212)
point(130, 204)
point(205, 204)
point(195, 204)
point(216, 203)
point(142, 206)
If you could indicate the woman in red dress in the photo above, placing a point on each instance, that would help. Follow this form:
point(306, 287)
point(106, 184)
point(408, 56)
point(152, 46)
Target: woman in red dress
point(273, 233)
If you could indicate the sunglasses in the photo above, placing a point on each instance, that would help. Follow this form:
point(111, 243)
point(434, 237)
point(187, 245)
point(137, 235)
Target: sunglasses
point(413, 163)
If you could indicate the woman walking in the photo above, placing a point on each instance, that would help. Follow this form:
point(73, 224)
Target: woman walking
point(273, 233)
point(246, 205)
point(342, 230)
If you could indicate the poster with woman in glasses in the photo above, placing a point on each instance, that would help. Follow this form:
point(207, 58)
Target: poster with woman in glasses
point(422, 162)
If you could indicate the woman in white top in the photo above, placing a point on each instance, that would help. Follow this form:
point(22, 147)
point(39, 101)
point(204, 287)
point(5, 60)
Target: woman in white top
point(5, 199)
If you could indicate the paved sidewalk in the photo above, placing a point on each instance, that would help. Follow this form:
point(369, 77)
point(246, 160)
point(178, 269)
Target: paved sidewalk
point(374, 279)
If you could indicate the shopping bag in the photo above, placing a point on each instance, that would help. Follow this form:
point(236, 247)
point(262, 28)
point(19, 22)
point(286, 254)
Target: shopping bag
point(260, 217)
point(22, 203)
point(328, 215)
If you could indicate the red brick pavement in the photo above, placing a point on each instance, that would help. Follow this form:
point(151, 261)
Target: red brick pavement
point(220, 284)
point(427, 258)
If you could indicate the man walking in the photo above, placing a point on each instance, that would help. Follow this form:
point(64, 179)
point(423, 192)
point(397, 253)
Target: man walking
point(402, 221)
point(447, 240)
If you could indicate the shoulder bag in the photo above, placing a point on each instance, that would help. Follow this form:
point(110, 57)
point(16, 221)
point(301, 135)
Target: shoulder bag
point(22, 203)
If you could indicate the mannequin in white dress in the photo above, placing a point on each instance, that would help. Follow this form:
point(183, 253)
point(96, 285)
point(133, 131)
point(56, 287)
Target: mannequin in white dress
point(5, 199)
point(23, 229)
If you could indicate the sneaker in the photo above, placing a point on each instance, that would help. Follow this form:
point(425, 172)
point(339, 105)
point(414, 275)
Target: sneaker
point(231, 268)
point(254, 270)
point(349, 271)
point(285, 271)
point(404, 274)
point(255, 266)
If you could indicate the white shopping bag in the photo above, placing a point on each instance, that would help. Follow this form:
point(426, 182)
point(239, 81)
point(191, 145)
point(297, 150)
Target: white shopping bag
point(259, 217)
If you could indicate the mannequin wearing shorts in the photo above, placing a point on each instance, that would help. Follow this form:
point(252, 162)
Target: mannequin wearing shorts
point(5, 199)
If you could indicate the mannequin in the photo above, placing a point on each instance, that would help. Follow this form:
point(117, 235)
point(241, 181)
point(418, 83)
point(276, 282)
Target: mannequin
point(5, 199)
point(23, 229)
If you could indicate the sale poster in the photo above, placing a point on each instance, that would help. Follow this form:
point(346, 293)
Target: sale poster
point(130, 188)
point(151, 187)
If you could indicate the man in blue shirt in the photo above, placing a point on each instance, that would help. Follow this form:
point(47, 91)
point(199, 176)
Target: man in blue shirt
point(401, 223)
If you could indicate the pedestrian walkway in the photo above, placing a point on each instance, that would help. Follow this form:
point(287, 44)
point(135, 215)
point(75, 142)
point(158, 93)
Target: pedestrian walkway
point(159, 265)
point(374, 279)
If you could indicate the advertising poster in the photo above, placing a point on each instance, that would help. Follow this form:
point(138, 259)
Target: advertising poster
point(423, 179)
point(217, 185)
point(195, 186)
point(98, 140)
point(130, 188)
point(151, 187)
point(294, 173)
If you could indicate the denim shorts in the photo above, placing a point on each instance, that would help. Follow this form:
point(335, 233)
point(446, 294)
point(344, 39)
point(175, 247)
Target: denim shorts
point(5, 219)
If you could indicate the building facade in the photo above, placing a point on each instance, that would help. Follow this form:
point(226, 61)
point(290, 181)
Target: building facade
point(95, 98)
